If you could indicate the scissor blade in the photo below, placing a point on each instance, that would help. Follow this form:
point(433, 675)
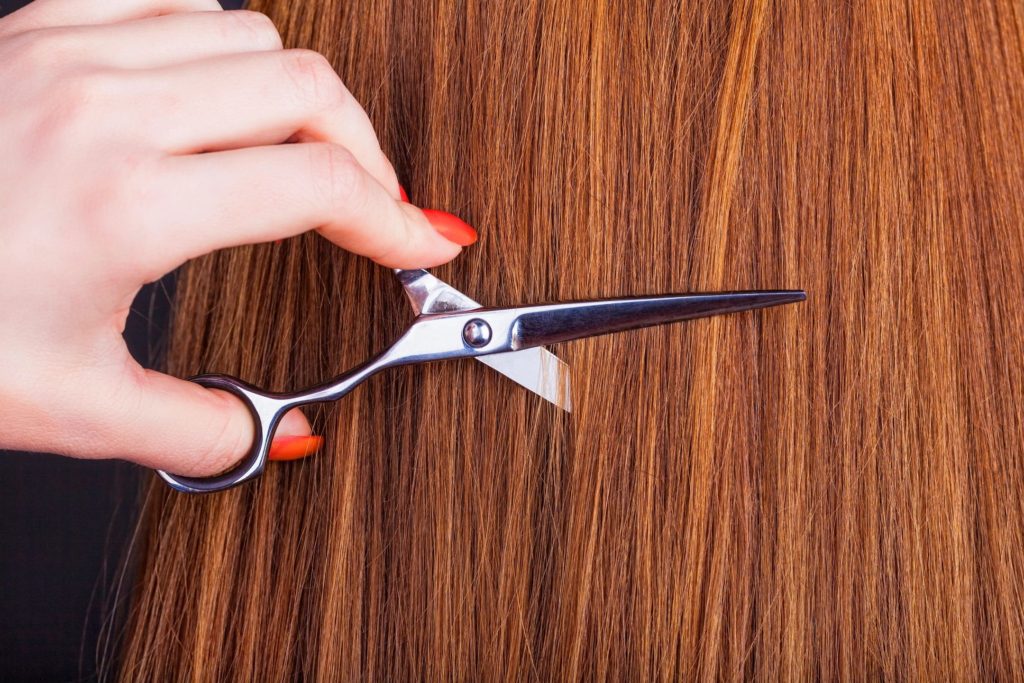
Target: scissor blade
point(536, 369)
point(427, 294)
point(553, 323)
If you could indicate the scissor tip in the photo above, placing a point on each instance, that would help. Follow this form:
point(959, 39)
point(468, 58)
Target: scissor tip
point(745, 301)
point(776, 297)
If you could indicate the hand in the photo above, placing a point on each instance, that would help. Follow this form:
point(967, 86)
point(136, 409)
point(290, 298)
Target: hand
point(138, 134)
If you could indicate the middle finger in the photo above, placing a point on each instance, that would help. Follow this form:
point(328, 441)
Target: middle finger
point(247, 100)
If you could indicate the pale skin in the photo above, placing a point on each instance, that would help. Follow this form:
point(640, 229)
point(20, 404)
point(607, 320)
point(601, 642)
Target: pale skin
point(136, 135)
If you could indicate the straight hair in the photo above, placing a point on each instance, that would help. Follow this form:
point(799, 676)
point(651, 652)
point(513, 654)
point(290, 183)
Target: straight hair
point(823, 491)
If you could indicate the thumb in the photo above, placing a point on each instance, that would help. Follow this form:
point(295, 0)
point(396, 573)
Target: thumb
point(178, 426)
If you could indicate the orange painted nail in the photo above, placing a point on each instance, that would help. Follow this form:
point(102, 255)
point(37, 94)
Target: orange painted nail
point(404, 195)
point(294, 447)
point(451, 227)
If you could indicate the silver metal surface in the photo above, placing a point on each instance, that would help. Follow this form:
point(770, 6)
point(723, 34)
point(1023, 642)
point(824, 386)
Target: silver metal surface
point(530, 326)
point(434, 336)
point(537, 370)
point(476, 333)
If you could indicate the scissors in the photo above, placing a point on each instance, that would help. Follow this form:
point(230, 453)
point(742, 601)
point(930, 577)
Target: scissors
point(448, 325)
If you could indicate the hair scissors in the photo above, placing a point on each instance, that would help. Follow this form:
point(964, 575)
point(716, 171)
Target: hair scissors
point(449, 325)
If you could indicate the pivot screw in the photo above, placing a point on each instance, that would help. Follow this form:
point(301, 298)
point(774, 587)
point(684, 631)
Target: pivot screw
point(476, 333)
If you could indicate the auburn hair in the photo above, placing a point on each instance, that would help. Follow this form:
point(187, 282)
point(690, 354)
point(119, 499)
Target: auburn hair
point(823, 491)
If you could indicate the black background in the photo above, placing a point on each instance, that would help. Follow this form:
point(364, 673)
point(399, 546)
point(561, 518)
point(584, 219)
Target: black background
point(64, 530)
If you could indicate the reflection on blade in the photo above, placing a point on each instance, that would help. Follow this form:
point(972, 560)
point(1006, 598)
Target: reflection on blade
point(427, 294)
point(553, 323)
point(536, 369)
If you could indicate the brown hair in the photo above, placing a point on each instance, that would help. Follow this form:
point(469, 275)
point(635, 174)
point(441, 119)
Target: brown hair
point(830, 490)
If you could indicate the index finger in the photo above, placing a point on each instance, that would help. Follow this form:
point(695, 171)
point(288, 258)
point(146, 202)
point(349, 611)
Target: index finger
point(260, 194)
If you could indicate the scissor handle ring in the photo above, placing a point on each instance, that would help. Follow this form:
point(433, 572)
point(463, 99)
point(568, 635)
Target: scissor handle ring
point(266, 412)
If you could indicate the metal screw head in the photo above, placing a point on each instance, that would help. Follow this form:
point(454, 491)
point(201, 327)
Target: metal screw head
point(476, 333)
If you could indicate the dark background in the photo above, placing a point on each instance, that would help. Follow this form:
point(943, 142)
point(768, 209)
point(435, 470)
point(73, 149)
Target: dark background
point(64, 531)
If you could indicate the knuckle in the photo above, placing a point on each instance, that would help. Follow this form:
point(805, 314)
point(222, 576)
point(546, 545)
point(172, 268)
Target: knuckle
point(313, 77)
point(75, 109)
point(337, 98)
point(44, 48)
point(113, 201)
point(337, 177)
point(257, 28)
point(88, 91)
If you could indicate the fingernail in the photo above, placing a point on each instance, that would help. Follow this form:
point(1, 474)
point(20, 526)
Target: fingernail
point(403, 194)
point(294, 447)
point(451, 227)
